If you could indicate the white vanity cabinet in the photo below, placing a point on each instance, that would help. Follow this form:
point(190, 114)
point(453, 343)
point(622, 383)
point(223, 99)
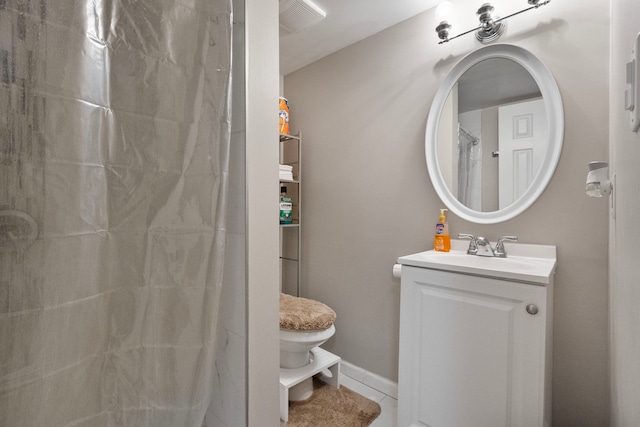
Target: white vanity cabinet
point(474, 350)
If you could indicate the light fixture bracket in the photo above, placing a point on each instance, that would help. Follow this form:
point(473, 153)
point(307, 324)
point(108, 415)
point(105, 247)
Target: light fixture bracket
point(491, 26)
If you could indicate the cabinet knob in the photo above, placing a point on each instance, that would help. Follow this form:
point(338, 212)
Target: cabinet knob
point(532, 309)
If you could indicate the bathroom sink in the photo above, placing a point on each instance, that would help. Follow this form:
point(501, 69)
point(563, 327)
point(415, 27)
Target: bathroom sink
point(526, 263)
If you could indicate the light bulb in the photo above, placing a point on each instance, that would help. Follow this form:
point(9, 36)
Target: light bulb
point(443, 11)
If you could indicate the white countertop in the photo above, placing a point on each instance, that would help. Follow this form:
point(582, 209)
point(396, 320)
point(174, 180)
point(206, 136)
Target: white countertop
point(524, 262)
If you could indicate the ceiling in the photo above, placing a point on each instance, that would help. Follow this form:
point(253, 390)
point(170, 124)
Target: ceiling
point(347, 22)
point(493, 82)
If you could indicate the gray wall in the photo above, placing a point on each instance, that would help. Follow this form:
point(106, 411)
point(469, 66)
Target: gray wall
point(263, 276)
point(624, 231)
point(368, 198)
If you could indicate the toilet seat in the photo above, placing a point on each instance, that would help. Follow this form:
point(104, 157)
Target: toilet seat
point(303, 314)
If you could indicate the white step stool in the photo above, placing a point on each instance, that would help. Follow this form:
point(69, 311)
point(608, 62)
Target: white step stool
point(321, 360)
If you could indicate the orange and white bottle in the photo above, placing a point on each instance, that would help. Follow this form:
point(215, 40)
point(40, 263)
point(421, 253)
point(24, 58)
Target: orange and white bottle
point(442, 240)
point(284, 116)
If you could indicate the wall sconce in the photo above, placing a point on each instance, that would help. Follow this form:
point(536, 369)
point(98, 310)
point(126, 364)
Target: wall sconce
point(491, 26)
point(598, 184)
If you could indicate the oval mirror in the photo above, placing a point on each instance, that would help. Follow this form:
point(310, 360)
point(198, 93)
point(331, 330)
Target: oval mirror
point(494, 134)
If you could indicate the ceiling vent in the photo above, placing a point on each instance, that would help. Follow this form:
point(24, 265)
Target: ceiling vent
point(296, 15)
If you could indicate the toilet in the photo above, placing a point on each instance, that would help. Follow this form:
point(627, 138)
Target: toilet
point(304, 325)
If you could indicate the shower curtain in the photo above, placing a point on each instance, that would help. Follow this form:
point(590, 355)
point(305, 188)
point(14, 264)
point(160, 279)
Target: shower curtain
point(469, 176)
point(114, 142)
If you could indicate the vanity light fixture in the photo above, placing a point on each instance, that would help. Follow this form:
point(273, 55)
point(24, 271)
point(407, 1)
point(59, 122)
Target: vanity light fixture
point(598, 184)
point(491, 25)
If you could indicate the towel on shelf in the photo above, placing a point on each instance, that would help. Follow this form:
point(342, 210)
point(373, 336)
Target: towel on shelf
point(286, 173)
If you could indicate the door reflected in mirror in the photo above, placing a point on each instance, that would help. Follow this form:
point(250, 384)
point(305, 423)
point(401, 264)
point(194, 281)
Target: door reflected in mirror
point(492, 135)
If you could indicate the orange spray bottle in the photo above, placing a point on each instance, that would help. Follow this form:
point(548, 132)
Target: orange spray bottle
point(442, 240)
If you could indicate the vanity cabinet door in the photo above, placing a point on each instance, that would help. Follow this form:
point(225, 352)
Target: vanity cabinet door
point(471, 354)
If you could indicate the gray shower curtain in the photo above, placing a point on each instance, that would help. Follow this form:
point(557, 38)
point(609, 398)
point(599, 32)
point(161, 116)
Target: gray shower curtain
point(114, 142)
point(468, 174)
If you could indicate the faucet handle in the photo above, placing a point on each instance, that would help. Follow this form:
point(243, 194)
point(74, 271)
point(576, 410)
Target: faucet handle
point(473, 244)
point(500, 252)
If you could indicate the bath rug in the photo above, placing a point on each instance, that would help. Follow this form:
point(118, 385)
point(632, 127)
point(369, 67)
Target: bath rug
point(328, 406)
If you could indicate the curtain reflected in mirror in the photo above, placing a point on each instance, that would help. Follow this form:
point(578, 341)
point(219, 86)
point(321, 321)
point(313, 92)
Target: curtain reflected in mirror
point(469, 169)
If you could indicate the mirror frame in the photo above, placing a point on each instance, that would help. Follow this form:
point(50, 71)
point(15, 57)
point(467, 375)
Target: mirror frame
point(555, 121)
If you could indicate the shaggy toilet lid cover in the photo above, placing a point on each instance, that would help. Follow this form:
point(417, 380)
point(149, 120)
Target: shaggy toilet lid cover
point(302, 314)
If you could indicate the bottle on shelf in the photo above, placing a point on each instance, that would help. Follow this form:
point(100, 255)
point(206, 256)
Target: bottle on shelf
point(283, 116)
point(285, 206)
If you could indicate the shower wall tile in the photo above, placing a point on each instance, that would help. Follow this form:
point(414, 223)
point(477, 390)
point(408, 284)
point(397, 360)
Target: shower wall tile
point(23, 348)
point(126, 322)
point(146, 86)
point(73, 332)
point(15, 406)
point(125, 254)
point(149, 27)
point(74, 13)
point(126, 80)
point(179, 317)
point(159, 370)
point(21, 289)
point(87, 264)
point(135, 197)
point(148, 142)
point(69, 58)
point(78, 14)
point(81, 385)
point(75, 200)
point(172, 318)
point(178, 259)
point(199, 194)
point(21, 112)
point(77, 261)
point(126, 374)
point(189, 205)
point(124, 199)
point(70, 120)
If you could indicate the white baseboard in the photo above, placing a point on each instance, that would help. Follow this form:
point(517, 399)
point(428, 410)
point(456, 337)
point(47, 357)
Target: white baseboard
point(370, 379)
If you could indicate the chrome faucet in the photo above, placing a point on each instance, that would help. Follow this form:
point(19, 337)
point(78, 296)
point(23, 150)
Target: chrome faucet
point(482, 247)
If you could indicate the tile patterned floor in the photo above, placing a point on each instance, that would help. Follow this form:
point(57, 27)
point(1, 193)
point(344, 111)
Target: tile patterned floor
point(389, 415)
